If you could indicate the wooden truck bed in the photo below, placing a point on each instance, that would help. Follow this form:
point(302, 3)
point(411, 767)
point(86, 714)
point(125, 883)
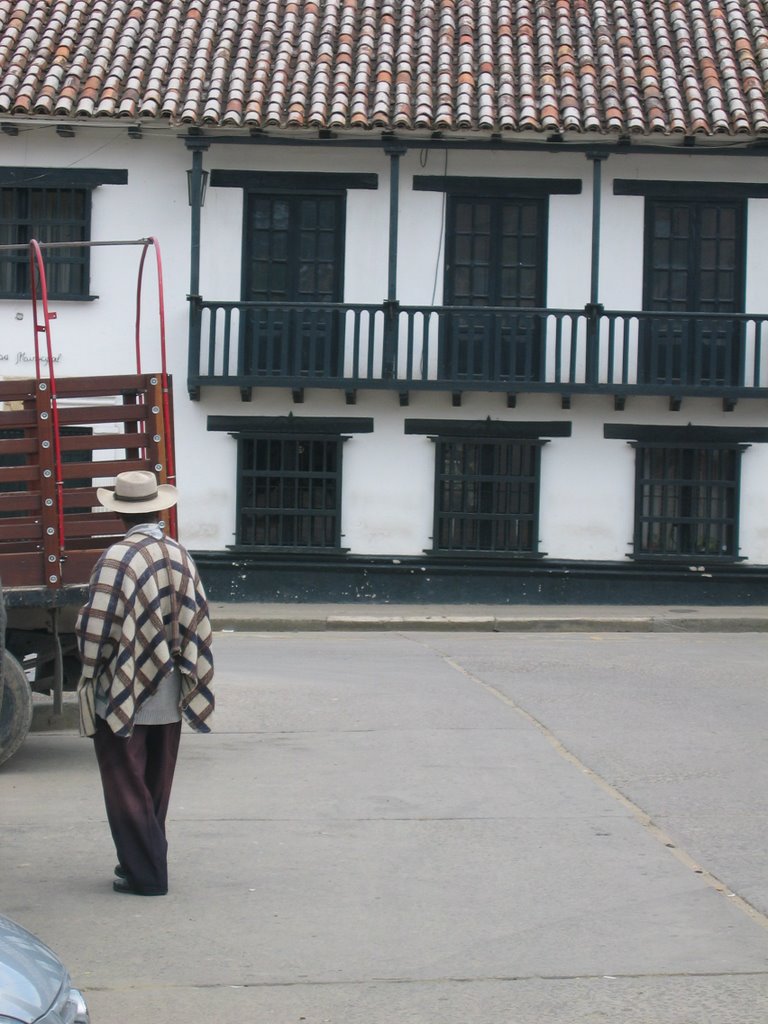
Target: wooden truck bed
point(53, 530)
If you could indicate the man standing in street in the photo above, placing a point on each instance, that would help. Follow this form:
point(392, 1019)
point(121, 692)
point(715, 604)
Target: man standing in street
point(144, 637)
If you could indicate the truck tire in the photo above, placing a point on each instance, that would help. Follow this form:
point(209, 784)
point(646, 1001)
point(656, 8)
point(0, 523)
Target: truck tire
point(16, 709)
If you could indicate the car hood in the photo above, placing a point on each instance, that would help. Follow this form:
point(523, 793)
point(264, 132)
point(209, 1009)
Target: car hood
point(31, 975)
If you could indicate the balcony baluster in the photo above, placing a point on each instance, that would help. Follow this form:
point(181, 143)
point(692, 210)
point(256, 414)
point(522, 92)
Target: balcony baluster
point(357, 346)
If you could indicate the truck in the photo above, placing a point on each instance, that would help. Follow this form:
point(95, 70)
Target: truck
point(61, 438)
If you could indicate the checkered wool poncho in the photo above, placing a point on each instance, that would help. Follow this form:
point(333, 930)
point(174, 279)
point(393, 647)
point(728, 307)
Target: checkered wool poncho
point(146, 611)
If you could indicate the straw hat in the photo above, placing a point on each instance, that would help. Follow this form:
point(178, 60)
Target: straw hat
point(137, 491)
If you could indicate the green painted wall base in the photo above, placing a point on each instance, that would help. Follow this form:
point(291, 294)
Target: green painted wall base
point(271, 578)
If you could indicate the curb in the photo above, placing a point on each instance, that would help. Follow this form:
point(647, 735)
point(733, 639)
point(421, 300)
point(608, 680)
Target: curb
point(492, 624)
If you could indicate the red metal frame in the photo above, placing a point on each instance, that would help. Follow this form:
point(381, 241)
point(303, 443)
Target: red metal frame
point(42, 317)
point(171, 465)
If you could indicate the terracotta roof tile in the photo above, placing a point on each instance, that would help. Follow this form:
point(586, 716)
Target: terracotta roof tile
point(606, 66)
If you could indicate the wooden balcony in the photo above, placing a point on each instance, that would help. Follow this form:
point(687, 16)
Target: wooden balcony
point(454, 349)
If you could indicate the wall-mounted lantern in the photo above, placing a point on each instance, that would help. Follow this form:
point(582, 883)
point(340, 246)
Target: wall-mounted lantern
point(191, 186)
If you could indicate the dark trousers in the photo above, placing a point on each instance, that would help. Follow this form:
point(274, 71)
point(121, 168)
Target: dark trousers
point(136, 775)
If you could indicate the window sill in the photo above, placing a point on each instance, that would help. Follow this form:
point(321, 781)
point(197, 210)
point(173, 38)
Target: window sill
point(496, 556)
point(253, 549)
point(687, 560)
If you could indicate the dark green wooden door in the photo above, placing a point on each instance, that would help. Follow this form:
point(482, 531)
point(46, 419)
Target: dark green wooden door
point(694, 262)
point(495, 258)
point(293, 254)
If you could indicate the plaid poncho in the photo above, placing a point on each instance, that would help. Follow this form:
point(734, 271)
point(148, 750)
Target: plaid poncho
point(146, 611)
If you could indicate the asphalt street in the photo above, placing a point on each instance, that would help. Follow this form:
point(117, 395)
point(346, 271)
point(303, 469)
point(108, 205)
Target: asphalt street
point(432, 828)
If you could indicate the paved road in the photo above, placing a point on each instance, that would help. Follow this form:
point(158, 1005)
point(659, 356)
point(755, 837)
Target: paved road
point(432, 828)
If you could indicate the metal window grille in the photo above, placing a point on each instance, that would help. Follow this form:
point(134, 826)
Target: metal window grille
point(487, 496)
point(289, 492)
point(49, 215)
point(687, 500)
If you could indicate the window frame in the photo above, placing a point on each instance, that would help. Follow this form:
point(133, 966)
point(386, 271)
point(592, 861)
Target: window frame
point(459, 361)
point(48, 179)
point(297, 344)
point(294, 198)
point(496, 204)
point(24, 226)
point(296, 438)
point(498, 520)
point(683, 350)
point(683, 497)
point(296, 428)
point(697, 205)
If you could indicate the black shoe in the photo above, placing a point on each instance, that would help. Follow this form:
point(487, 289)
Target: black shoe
point(120, 871)
point(124, 886)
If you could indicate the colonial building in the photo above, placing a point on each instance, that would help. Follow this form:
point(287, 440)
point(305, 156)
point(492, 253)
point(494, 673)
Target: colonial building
point(466, 300)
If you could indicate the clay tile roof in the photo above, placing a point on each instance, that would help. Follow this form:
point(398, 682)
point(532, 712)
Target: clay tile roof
point(599, 66)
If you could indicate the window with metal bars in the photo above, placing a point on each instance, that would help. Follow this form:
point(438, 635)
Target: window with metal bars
point(49, 215)
point(687, 500)
point(487, 496)
point(289, 492)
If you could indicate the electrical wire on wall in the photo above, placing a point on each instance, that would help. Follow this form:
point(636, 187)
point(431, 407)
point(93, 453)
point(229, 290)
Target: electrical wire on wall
point(423, 161)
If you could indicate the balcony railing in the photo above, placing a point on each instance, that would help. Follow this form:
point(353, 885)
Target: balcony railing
point(354, 346)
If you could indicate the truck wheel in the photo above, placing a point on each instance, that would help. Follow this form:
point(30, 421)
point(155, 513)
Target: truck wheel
point(16, 709)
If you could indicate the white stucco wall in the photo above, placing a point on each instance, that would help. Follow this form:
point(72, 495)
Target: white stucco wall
point(587, 481)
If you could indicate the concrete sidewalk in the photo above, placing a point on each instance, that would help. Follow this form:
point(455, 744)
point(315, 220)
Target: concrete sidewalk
point(276, 617)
